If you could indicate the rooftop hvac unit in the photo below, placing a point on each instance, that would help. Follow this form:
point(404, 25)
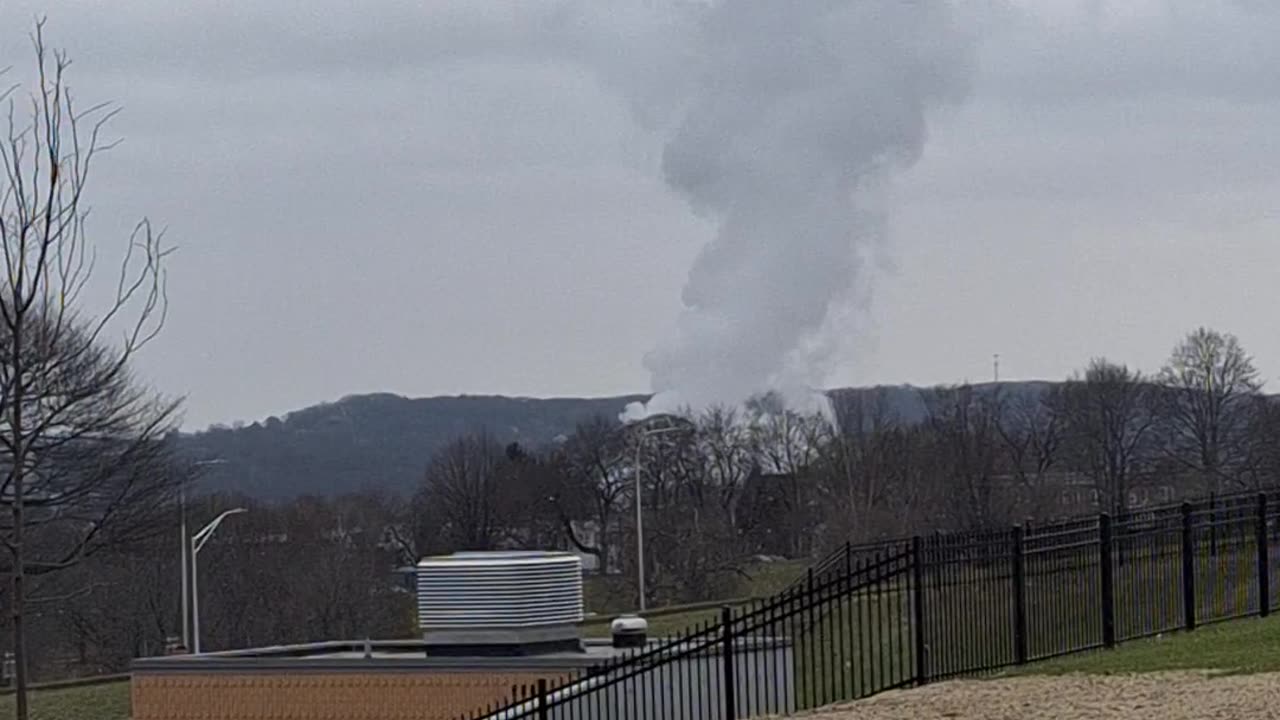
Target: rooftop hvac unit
point(500, 603)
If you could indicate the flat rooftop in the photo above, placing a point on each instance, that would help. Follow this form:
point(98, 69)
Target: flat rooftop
point(397, 656)
point(351, 655)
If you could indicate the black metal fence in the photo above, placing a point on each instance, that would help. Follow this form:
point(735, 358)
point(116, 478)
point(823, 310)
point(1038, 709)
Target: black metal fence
point(875, 617)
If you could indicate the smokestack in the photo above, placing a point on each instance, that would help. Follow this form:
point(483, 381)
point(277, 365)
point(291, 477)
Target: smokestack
point(791, 116)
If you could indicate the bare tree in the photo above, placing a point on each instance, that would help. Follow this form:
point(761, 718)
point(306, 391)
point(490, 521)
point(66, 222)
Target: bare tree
point(1031, 433)
point(1209, 384)
point(591, 473)
point(1107, 415)
point(463, 495)
point(867, 465)
point(691, 480)
point(788, 446)
point(963, 426)
point(724, 444)
point(1263, 453)
point(76, 429)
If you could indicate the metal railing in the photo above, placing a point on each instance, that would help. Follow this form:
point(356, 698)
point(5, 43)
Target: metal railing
point(875, 617)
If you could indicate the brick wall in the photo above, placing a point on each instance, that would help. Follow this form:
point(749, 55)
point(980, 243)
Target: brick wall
point(419, 695)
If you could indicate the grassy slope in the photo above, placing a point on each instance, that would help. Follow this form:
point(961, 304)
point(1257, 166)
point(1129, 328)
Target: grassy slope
point(1243, 646)
point(109, 701)
point(762, 580)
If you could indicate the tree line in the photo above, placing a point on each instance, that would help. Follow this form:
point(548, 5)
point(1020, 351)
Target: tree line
point(722, 487)
point(721, 490)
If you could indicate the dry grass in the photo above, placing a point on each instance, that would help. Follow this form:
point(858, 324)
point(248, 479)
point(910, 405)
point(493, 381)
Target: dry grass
point(109, 701)
point(1183, 695)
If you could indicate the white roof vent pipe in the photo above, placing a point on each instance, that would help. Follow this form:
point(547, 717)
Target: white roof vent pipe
point(629, 631)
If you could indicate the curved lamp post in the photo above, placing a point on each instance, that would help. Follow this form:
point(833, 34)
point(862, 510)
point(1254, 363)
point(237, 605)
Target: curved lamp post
point(185, 550)
point(642, 436)
point(197, 541)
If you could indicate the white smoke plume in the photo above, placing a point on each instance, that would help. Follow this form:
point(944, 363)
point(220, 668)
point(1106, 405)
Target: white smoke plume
point(787, 114)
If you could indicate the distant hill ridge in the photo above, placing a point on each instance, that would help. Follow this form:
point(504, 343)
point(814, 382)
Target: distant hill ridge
point(384, 441)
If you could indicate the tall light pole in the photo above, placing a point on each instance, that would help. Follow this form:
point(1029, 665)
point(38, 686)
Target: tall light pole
point(197, 541)
point(185, 550)
point(641, 437)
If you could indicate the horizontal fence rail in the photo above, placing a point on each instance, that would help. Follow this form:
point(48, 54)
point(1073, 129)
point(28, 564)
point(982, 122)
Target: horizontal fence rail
point(892, 614)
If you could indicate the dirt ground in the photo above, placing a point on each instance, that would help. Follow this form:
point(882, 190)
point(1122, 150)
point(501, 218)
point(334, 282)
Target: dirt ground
point(1158, 696)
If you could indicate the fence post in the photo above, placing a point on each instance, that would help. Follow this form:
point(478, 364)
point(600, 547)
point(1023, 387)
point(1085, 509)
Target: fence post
point(1108, 581)
point(1213, 525)
point(917, 591)
point(1264, 559)
point(1188, 569)
point(544, 707)
point(730, 680)
point(1019, 597)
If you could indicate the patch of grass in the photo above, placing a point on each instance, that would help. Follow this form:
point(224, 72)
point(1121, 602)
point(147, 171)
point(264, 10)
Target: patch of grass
point(660, 626)
point(1241, 646)
point(613, 596)
point(109, 701)
point(774, 577)
point(853, 645)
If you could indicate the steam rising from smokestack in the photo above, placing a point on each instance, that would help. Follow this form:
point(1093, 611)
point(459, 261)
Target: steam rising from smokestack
point(789, 112)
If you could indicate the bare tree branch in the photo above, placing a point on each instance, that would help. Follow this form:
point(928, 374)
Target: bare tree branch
point(83, 445)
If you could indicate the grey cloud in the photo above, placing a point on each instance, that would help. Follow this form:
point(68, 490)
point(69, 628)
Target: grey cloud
point(469, 196)
point(1129, 51)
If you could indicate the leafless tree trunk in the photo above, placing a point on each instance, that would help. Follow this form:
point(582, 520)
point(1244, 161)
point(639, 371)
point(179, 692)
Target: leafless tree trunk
point(725, 447)
point(1031, 433)
point(66, 394)
point(868, 460)
point(464, 491)
point(592, 469)
point(1108, 416)
point(788, 445)
point(1208, 388)
point(963, 424)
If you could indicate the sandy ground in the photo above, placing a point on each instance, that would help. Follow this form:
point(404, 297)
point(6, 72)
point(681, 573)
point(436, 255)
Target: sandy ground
point(1158, 696)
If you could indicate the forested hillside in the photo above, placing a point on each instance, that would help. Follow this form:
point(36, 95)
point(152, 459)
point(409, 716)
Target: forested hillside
point(384, 441)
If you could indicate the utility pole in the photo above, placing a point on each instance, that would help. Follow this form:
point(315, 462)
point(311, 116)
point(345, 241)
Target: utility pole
point(185, 549)
point(996, 365)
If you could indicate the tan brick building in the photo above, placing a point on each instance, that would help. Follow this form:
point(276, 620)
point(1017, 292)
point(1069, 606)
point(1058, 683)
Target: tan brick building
point(340, 681)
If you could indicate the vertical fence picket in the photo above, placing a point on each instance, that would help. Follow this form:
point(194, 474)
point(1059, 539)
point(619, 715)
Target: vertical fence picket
point(811, 639)
point(1264, 557)
point(1188, 568)
point(1105, 570)
point(1213, 525)
point(730, 677)
point(1019, 578)
point(917, 608)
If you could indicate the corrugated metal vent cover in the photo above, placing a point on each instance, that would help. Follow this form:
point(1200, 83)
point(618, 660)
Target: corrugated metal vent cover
point(468, 590)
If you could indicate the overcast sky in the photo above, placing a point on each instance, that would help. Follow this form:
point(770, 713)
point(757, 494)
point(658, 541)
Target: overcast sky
point(443, 197)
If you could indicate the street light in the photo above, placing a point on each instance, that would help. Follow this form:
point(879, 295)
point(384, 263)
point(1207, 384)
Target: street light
point(644, 435)
point(197, 541)
point(185, 549)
